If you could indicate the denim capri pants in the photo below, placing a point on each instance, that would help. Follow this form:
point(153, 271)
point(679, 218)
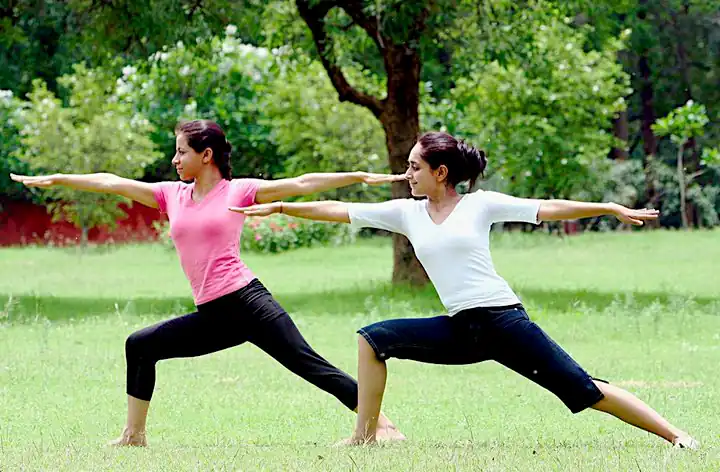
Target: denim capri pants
point(503, 334)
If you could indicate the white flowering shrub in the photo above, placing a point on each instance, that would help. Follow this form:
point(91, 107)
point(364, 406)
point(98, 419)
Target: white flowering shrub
point(93, 133)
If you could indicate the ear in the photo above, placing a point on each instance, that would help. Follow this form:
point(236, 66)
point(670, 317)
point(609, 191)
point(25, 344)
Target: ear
point(207, 156)
point(441, 173)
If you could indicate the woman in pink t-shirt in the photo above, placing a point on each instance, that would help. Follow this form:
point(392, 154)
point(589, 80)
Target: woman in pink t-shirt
point(232, 305)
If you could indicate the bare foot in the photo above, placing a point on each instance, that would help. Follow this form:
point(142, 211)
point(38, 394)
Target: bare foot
point(353, 441)
point(128, 438)
point(389, 433)
point(686, 442)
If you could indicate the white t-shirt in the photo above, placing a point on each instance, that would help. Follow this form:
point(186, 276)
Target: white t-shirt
point(455, 253)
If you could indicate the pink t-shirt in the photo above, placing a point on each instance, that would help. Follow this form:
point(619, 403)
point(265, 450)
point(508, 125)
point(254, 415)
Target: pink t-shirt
point(207, 235)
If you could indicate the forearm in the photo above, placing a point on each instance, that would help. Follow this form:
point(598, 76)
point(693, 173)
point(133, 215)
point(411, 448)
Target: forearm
point(553, 210)
point(102, 182)
point(319, 182)
point(321, 211)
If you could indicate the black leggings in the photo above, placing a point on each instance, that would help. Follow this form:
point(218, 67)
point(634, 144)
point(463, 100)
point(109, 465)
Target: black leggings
point(249, 314)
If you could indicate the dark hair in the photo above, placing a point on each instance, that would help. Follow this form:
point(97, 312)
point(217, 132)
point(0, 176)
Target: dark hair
point(203, 134)
point(463, 161)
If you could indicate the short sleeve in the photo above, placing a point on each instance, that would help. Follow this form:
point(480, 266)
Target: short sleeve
point(164, 192)
point(243, 192)
point(389, 215)
point(501, 207)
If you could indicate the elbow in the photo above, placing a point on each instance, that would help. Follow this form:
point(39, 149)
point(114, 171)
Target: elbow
point(547, 212)
point(301, 186)
point(109, 182)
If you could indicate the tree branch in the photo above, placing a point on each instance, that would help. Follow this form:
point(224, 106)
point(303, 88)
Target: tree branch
point(371, 25)
point(198, 5)
point(314, 16)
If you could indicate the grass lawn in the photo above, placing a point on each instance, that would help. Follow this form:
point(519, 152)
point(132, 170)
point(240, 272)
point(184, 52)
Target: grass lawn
point(641, 310)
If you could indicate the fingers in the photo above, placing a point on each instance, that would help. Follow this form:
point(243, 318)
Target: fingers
point(33, 181)
point(251, 211)
point(645, 214)
point(375, 179)
point(243, 210)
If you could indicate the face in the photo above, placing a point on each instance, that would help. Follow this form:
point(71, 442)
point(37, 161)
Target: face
point(187, 161)
point(423, 180)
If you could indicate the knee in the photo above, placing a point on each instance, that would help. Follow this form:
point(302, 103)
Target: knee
point(136, 345)
point(366, 351)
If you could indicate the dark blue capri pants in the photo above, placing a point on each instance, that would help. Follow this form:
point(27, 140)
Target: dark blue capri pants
point(503, 334)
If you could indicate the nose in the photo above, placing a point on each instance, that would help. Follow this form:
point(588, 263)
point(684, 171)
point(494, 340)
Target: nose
point(407, 174)
point(175, 161)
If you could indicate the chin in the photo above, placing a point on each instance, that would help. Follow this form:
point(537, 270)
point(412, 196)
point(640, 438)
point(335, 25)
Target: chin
point(416, 193)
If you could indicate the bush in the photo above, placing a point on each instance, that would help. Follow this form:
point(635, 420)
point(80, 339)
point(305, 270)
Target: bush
point(280, 233)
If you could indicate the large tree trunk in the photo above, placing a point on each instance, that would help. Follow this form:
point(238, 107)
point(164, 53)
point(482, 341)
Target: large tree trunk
point(692, 164)
point(621, 131)
point(681, 184)
point(401, 122)
point(398, 112)
point(647, 120)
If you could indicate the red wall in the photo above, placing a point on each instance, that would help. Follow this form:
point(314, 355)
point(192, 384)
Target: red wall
point(27, 223)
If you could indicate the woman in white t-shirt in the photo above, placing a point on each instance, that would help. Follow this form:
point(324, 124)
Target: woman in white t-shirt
point(485, 321)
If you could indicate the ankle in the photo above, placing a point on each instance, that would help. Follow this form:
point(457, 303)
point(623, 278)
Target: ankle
point(133, 432)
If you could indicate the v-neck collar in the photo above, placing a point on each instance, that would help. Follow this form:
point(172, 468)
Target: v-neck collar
point(427, 211)
point(212, 192)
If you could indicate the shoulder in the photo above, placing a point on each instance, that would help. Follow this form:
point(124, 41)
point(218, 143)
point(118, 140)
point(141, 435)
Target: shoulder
point(245, 183)
point(169, 186)
point(490, 196)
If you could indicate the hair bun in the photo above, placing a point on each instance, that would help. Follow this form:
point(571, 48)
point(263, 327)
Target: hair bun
point(475, 158)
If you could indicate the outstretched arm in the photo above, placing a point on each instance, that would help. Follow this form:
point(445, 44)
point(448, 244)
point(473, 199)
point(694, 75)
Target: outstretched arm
point(101, 183)
point(272, 190)
point(320, 211)
point(553, 210)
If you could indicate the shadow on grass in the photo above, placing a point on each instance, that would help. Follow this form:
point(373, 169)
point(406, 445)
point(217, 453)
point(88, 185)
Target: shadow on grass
point(384, 299)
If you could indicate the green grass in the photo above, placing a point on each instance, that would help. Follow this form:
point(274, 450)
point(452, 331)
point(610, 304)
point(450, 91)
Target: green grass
point(638, 309)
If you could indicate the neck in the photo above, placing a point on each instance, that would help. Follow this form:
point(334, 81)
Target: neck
point(443, 196)
point(205, 182)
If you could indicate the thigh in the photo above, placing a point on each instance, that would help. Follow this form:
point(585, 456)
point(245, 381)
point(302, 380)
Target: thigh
point(436, 340)
point(190, 335)
point(524, 347)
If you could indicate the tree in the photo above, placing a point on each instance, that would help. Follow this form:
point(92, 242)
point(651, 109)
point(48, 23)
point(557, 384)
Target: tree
point(221, 79)
point(93, 134)
point(43, 39)
point(319, 134)
point(9, 145)
point(391, 33)
point(684, 124)
point(545, 116)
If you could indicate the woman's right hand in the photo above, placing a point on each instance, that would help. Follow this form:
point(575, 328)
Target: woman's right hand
point(263, 209)
point(42, 181)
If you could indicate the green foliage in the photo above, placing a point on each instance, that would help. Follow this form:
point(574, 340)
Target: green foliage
point(44, 39)
point(320, 134)
point(545, 120)
point(683, 123)
point(94, 133)
point(279, 233)
point(220, 79)
point(10, 117)
point(278, 109)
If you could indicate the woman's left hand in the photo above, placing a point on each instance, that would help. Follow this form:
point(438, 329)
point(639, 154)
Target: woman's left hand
point(264, 209)
point(635, 217)
point(377, 179)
